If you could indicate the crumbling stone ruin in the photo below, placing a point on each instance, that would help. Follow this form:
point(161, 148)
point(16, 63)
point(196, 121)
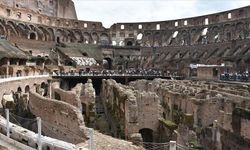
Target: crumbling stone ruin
point(195, 113)
point(75, 74)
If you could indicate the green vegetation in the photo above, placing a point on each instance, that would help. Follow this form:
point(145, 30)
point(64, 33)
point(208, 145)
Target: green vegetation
point(195, 144)
point(169, 124)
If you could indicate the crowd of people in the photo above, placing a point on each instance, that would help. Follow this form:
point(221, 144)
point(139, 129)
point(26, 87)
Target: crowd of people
point(243, 77)
point(130, 72)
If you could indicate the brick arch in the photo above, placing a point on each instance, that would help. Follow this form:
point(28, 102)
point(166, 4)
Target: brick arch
point(2, 29)
point(87, 37)
point(32, 35)
point(240, 31)
point(104, 39)
point(95, 37)
point(184, 37)
point(40, 34)
point(22, 30)
point(10, 28)
point(60, 35)
point(78, 36)
point(70, 36)
point(47, 36)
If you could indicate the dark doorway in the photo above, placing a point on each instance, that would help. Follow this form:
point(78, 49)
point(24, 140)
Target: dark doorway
point(147, 134)
point(129, 43)
point(58, 39)
point(107, 63)
point(32, 36)
point(27, 89)
point(57, 96)
point(215, 72)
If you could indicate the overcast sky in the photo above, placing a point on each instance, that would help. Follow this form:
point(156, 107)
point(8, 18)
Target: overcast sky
point(113, 11)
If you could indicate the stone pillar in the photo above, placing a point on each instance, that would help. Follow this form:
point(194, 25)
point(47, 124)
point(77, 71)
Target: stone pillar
point(7, 122)
point(39, 134)
point(43, 64)
point(172, 145)
point(214, 130)
point(7, 68)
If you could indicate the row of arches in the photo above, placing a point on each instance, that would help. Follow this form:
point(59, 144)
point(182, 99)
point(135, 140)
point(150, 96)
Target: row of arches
point(181, 36)
point(11, 29)
point(199, 35)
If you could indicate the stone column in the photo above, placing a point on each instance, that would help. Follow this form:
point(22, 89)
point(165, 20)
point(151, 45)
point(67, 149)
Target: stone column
point(7, 68)
point(172, 145)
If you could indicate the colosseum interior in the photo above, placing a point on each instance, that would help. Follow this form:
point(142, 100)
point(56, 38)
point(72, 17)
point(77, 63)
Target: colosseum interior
point(69, 84)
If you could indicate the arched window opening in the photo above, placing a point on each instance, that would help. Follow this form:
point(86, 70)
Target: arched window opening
point(139, 36)
point(32, 36)
point(129, 43)
point(147, 134)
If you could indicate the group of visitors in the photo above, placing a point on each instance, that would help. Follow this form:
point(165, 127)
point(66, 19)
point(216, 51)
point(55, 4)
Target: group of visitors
point(131, 72)
point(243, 77)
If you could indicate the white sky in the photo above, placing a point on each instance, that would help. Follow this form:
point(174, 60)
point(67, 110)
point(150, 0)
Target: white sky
point(112, 11)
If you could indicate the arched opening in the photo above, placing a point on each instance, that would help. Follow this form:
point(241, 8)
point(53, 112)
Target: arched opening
point(147, 134)
point(32, 36)
point(84, 109)
point(107, 63)
point(85, 54)
point(19, 89)
point(215, 72)
point(57, 96)
point(129, 43)
point(27, 89)
point(58, 39)
point(44, 88)
point(139, 36)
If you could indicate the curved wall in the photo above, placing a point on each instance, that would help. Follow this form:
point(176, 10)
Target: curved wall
point(55, 8)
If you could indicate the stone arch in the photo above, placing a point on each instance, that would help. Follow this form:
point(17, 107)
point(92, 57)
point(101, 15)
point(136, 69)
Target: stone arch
point(22, 30)
point(40, 34)
point(129, 43)
point(2, 29)
point(227, 32)
point(239, 31)
point(70, 36)
point(193, 35)
point(147, 134)
point(184, 38)
point(214, 34)
point(48, 62)
point(33, 36)
point(147, 39)
point(32, 27)
point(51, 34)
point(60, 36)
point(95, 38)
point(157, 39)
point(11, 30)
point(44, 88)
point(43, 33)
point(27, 89)
point(104, 39)
point(19, 89)
point(57, 96)
point(86, 38)
point(139, 36)
point(78, 36)
point(107, 63)
point(166, 38)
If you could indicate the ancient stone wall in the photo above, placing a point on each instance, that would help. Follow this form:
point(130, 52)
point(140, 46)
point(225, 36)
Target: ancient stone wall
point(132, 109)
point(60, 120)
point(197, 106)
point(53, 8)
point(71, 97)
